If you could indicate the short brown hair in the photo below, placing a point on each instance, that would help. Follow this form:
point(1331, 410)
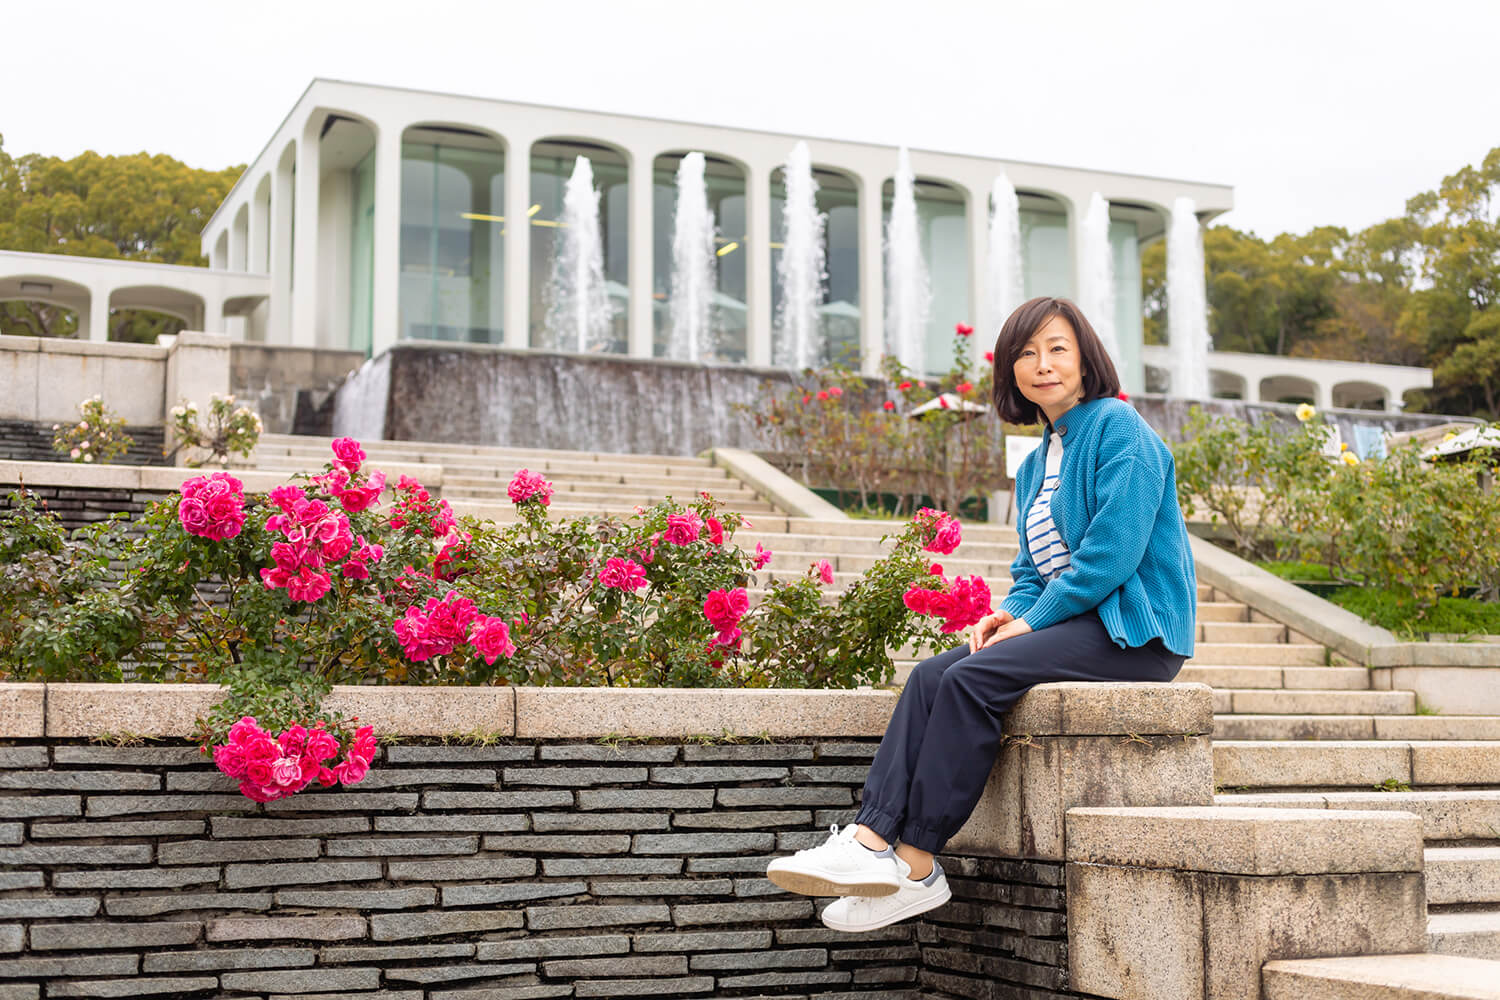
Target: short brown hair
point(1099, 376)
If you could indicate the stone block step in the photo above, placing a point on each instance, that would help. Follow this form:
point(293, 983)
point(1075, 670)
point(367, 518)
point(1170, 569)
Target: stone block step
point(1301, 678)
point(1257, 632)
point(308, 444)
point(1210, 610)
point(1475, 934)
point(1462, 875)
point(1356, 727)
point(1260, 701)
point(875, 527)
point(1257, 654)
point(1468, 814)
point(1412, 976)
point(1357, 765)
point(684, 487)
point(613, 494)
point(859, 545)
point(991, 571)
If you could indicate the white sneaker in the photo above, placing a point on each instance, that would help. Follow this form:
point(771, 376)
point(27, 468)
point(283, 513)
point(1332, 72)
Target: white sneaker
point(856, 914)
point(840, 866)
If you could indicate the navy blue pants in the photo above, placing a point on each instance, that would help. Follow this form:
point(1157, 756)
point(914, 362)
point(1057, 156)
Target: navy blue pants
point(940, 746)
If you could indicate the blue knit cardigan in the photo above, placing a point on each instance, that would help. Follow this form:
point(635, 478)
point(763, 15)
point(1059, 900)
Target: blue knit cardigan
point(1116, 510)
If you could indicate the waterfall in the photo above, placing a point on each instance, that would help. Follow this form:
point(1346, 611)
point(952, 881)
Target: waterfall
point(579, 313)
point(693, 260)
point(1187, 303)
point(1098, 284)
point(908, 297)
point(799, 340)
point(1006, 283)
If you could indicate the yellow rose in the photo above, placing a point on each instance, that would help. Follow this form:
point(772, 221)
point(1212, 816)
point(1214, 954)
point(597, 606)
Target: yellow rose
point(1350, 458)
point(1305, 412)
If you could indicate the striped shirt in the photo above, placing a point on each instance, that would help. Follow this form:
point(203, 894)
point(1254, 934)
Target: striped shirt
point(1047, 549)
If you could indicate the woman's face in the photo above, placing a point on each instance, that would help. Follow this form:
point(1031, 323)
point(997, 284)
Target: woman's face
point(1049, 370)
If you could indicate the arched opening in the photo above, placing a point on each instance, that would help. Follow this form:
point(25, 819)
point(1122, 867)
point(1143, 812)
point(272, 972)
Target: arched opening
point(837, 200)
point(141, 313)
point(346, 230)
point(724, 183)
point(1226, 385)
point(260, 228)
point(452, 229)
point(35, 305)
point(552, 163)
point(219, 258)
point(239, 242)
point(1359, 395)
point(1046, 253)
point(943, 231)
point(1288, 389)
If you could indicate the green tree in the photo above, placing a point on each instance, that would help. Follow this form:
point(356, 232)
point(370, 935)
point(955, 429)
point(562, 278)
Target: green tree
point(134, 207)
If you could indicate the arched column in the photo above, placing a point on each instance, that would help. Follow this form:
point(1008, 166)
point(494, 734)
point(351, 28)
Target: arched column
point(385, 291)
point(758, 264)
point(98, 314)
point(642, 319)
point(305, 283)
point(281, 247)
point(977, 210)
point(871, 272)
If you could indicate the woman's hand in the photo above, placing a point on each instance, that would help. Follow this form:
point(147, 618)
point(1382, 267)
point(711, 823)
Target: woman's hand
point(980, 635)
point(1011, 629)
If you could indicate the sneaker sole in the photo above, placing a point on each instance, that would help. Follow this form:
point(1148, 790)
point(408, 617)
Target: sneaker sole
point(905, 913)
point(813, 883)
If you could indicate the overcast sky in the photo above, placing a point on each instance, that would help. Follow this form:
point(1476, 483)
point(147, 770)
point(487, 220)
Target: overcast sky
point(1315, 111)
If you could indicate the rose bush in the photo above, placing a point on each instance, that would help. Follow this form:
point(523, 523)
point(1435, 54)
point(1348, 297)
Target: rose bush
point(98, 436)
point(228, 429)
point(277, 597)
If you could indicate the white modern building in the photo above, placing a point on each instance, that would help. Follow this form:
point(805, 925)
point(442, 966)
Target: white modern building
point(383, 215)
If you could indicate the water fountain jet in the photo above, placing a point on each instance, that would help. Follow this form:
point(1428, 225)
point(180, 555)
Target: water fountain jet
point(693, 264)
point(1098, 284)
point(1187, 304)
point(907, 291)
point(1006, 283)
point(801, 268)
point(579, 313)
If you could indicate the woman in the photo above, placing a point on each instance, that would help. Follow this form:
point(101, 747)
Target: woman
point(1102, 590)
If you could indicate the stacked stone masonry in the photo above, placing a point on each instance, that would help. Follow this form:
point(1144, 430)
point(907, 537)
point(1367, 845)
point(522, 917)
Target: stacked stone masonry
point(29, 441)
point(499, 872)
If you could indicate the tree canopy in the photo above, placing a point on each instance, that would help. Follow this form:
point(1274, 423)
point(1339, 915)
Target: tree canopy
point(135, 207)
point(1419, 289)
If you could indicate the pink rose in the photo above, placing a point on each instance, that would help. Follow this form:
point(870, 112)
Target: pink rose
point(308, 585)
point(948, 536)
point(347, 454)
point(715, 531)
point(284, 497)
point(527, 485)
point(231, 760)
point(683, 529)
point(259, 771)
point(762, 556)
point(244, 731)
point(257, 793)
point(327, 778)
point(262, 748)
point(490, 638)
point(286, 771)
point(825, 570)
point(193, 515)
point(293, 740)
point(322, 744)
point(623, 574)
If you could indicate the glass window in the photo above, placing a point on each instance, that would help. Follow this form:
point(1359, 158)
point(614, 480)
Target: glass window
point(944, 233)
point(1046, 254)
point(837, 199)
point(1125, 250)
point(452, 223)
point(552, 163)
point(724, 184)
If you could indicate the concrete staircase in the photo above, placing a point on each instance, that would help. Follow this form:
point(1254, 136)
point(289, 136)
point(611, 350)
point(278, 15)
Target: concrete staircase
point(1292, 728)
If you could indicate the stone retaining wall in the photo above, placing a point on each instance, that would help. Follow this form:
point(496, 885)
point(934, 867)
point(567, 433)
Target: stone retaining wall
point(31, 441)
point(520, 869)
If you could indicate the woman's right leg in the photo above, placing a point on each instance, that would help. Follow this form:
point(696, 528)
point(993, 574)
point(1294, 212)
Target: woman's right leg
point(883, 804)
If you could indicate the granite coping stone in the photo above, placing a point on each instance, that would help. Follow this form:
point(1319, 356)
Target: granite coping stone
point(83, 710)
point(1246, 840)
point(1383, 977)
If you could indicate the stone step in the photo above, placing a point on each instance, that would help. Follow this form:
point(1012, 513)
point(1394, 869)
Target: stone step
point(1354, 764)
point(1257, 632)
point(1261, 654)
point(683, 486)
point(1413, 976)
point(859, 545)
point(1469, 814)
point(991, 570)
point(875, 527)
point(1210, 610)
point(1356, 727)
point(308, 444)
point(580, 495)
point(1462, 875)
point(1295, 678)
point(1475, 934)
point(1260, 701)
